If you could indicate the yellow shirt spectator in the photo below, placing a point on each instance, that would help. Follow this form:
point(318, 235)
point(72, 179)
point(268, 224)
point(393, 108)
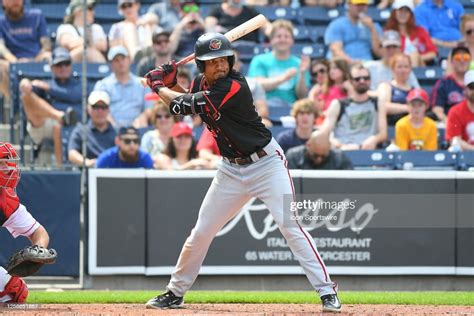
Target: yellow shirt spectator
point(408, 137)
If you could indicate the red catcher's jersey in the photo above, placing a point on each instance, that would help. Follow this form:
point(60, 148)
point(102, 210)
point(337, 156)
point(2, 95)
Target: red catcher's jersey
point(9, 203)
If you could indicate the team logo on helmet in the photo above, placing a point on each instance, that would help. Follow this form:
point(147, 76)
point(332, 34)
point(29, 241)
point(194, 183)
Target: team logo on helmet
point(215, 44)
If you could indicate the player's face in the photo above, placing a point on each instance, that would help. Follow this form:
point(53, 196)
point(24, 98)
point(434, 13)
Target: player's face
point(3, 167)
point(216, 68)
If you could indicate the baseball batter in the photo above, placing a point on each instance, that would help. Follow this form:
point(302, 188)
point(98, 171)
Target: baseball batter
point(253, 166)
point(17, 220)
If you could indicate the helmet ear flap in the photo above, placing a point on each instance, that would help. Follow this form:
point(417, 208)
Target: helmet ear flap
point(231, 60)
point(200, 65)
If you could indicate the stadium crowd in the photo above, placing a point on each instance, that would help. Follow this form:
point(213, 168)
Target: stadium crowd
point(369, 88)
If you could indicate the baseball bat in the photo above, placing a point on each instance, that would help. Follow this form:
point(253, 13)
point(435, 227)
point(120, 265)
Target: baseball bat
point(232, 35)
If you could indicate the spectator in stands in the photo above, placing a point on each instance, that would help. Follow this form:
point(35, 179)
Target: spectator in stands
point(305, 114)
point(442, 20)
point(253, 3)
point(460, 123)
point(52, 103)
point(165, 13)
point(317, 154)
point(181, 153)
point(284, 77)
point(359, 122)
point(71, 35)
point(23, 38)
point(127, 94)
point(188, 30)
point(319, 77)
point(449, 90)
point(99, 132)
point(338, 85)
point(228, 15)
point(415, 40)
point(154, 142)
point(467, 29)
point(329, 4)
point(161, 53)
point(126, 153)
point(393, 94)
point(380, 70)
point(207, 148)
point(416, 131)
point(354, 36)
point(133, 32)
point(257, 90)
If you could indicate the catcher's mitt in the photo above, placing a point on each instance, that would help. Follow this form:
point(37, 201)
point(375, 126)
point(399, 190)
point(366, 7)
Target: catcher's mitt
point(29, 260)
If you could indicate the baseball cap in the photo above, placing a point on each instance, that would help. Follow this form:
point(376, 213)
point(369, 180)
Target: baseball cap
point(359, 1)
point(128, 130)
point(398, 4)
point(98, 96)
point(181, 128)
point(418, 94)
point(60, 54)
point(468, 77)
point(120, 2)
point(390, 37)
point(460, 48)
point(75, 5)
point(115, 51)
point(160, 32)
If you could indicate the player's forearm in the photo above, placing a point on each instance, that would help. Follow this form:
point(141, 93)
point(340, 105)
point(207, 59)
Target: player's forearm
point(40, 237)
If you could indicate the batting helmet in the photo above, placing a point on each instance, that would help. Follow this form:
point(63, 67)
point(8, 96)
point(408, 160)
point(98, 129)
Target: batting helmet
point(212, 45)
point(9, 171)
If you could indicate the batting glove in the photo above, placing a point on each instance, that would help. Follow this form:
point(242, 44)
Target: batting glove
point(170, 70)
point(154, 79)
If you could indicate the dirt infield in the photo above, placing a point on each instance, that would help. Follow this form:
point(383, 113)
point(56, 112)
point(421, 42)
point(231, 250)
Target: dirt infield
point(232, 309)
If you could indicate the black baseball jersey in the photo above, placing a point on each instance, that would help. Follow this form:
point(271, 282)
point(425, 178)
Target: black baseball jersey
point(229, 113)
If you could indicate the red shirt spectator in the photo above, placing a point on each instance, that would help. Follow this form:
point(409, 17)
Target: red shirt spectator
point(461, 123)
point(207, 141)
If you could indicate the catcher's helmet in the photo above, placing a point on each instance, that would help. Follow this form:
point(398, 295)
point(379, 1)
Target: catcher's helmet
point(212, 45)
point(9, 172)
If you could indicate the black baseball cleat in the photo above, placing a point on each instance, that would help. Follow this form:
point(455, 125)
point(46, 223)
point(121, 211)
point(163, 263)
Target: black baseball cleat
point(165, 300)
point(331, 303)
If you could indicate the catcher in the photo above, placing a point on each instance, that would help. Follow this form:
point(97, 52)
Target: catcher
point(19, 222)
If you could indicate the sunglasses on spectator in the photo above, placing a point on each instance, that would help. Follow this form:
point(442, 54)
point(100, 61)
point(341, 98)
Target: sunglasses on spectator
point(126, 6)
point(163, 41)
point(471, 86)
point(469, 32)
point(315, 156)
point(359, 79)
point(166, 116)
point(90, 7)
point(462, 57)
point(99, 106)
point(188, 8)
point(128, 141)
point(320, 71)
point(63, 64)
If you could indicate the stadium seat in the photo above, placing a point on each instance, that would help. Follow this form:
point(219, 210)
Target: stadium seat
point(390, 132)
point(316, 32)
point(319, 16)
point(311, 50)
point(273, 13)
point(371, 159)
point(425, 160)
point(107, 13)
point(467, 4)
point(466, 160)
point(377, 15)
point(427, 76)
point(276, 112)
point(277, 129)
point(53, 12)
point(246, 49)
point(302, 34)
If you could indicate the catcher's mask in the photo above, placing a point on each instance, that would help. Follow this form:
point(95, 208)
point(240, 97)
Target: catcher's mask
point(212, 45)
point(9, 170)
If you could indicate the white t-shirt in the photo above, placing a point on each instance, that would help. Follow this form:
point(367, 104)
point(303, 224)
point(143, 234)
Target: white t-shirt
point(97, 32)
point(144, 34)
